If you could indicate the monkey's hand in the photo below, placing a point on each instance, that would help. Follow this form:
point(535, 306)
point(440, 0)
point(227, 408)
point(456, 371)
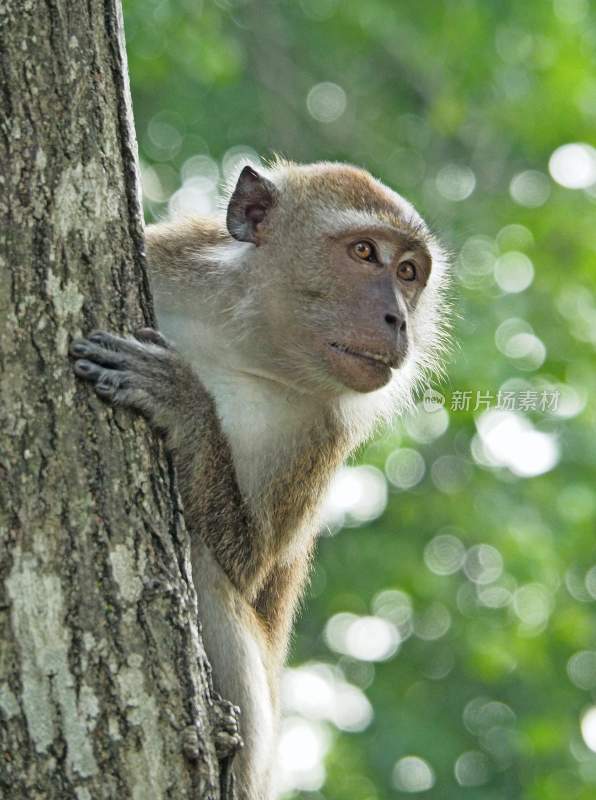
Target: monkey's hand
point(144, 373)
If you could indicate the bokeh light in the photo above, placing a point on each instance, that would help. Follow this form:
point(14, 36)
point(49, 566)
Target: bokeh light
point(326, 102)
point(483, 563)
point(424, 426)
point(533, 605)
point(405, 468)
point(581, 669)
point(588, 727)
point(574, 165)
point(433, 622)
point(317, 691)
point(456, 182)
point(367, 638)
point(413, 774)
point(514, 272)
point(460, 584)
point(300, 755)
point(445, 554)
point(530, 188)
point(509, 440)
point(356, 495)
point(472, 768)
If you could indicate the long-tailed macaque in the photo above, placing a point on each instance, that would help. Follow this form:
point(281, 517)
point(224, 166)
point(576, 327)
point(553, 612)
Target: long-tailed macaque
point(311, 310)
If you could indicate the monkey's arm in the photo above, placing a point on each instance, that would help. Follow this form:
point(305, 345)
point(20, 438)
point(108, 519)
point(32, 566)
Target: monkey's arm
point(144, 373)
point(229, 554)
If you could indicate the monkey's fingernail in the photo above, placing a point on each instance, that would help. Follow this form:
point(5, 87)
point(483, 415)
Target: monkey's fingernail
point(83, 367)
point(79, 349)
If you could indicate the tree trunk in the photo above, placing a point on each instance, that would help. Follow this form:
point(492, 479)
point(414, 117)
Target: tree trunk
point(104, 685)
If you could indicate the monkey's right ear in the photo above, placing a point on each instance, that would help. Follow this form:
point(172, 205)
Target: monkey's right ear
point(250, 201)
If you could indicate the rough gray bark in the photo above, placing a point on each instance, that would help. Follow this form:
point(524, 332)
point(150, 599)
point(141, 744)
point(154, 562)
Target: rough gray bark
point(104, 686)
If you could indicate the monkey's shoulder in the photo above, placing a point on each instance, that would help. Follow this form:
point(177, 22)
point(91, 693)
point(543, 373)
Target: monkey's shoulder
point(169, 243)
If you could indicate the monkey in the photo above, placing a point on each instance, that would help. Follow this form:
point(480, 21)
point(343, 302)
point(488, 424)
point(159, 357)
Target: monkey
point(312, 310)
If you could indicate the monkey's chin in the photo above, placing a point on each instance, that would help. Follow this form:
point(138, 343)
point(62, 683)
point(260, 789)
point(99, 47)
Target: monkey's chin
point(356, 371)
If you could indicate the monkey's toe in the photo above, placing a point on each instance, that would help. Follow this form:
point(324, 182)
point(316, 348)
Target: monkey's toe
point(226, 727)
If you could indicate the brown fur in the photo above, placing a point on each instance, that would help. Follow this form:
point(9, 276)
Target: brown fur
point(342, 186)
point(173, 245)
point(250, 546)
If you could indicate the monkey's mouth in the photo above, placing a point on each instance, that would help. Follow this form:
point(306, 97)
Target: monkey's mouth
point(377, 359)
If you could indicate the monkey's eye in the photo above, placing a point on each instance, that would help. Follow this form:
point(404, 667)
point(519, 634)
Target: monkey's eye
point(364, 251)
point(406, 270)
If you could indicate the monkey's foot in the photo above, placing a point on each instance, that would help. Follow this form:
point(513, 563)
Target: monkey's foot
point(226, 731)
point(190, 743)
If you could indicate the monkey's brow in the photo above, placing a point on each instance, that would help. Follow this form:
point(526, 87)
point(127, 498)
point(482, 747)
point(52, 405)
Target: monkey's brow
point(415, 242)
point(408, 235)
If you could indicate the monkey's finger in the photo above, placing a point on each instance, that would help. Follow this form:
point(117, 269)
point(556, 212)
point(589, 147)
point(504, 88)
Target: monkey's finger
point(88, 370)
point(109, 384)
point(89, 350)
point(112, 342)
point(152, 336)
point(134, 347)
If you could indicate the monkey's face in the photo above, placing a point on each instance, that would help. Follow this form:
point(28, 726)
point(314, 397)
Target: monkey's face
point(351, 303)
point(340, 301)
point(343, 263)
point(375, 276)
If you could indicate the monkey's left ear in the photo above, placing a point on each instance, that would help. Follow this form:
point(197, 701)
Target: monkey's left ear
point(251, 200)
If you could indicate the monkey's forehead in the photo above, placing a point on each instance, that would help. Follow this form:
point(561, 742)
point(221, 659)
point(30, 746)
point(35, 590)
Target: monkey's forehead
point(342, 186)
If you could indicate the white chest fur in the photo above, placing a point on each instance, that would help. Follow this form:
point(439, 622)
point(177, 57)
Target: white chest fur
point(262, 422)
point(263, 425)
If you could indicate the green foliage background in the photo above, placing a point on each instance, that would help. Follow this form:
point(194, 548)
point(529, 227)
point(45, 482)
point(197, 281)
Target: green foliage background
point(495, 88)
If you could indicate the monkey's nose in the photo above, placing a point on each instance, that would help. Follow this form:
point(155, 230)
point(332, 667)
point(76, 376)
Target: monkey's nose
point(396, 322)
